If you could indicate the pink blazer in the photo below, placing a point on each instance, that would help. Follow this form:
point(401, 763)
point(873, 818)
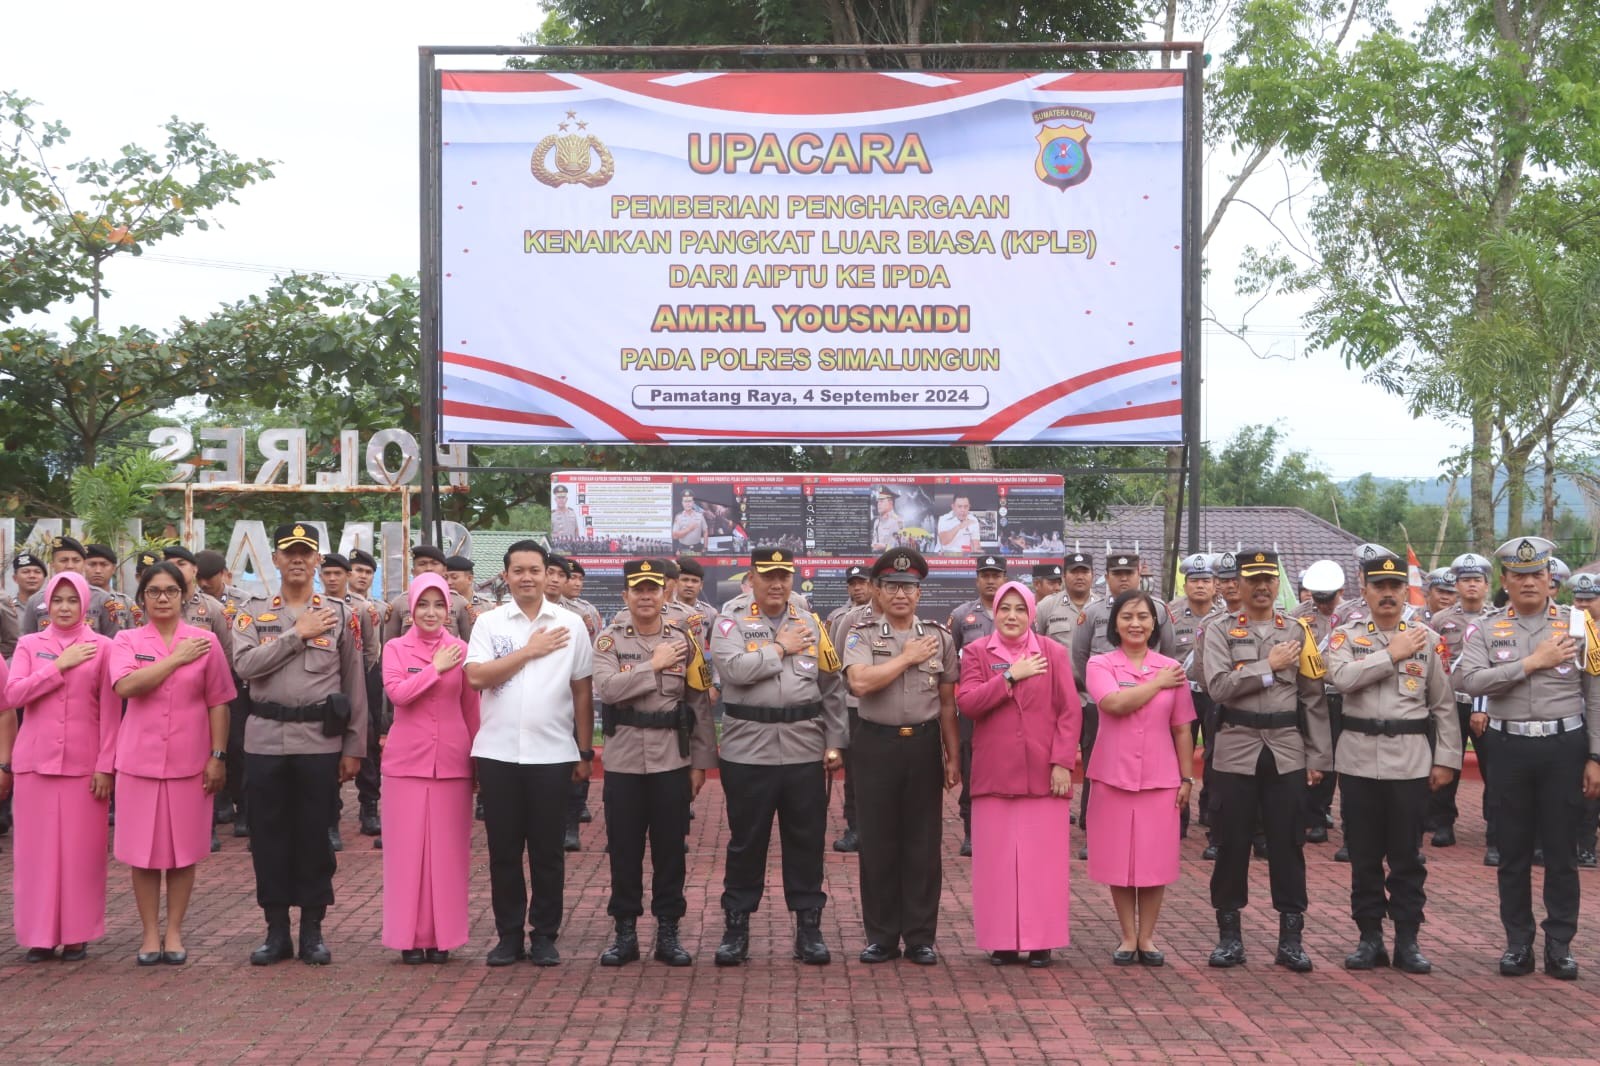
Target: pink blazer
point(167, 733)
point(435, 715)
point(69, 724)
point(1018, 736)
point(1136, 751)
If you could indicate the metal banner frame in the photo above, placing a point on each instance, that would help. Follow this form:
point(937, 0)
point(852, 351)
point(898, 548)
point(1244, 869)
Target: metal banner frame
point(430, 173)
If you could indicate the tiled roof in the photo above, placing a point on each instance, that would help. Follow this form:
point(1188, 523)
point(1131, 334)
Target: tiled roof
point(1300, 537)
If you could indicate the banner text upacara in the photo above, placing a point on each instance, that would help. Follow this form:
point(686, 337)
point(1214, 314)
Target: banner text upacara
point(807, 153)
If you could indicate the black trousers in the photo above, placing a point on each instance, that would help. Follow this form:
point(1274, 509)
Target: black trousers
point(850, 822)
point(238, 714)
point(1442, 809)
point(1538, 785)
point(901, 780)
point(370, 777)
point(1280, 800)
point(1382, 820)
point(524, 807)
point(1319, 797)
point(797, 795)
point(291, 801)
point(1086, 739)
point(640, 806)
point(964, 801)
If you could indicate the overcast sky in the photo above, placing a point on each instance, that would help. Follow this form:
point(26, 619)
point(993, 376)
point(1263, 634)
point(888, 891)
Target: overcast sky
point(329, 90)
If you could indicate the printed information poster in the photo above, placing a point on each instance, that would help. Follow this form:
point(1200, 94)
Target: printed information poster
point(920, 257)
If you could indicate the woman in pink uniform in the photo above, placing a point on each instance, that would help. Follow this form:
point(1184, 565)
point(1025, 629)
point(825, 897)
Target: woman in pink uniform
point(1139, 772)
point(171, 749)
point(427, 782)
point(1018, 691)
point(62, 759)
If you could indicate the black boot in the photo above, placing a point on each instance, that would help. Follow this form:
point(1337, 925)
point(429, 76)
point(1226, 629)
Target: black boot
point(1369, 953)
point(668, 949)
point(1407, 956)
point(1290, 953)
point(808, 945)
point(625, 948)
point(313, 952)
point(1558, 961)
point(735, 946)
point(278, 945)
point(1229, 951)
point(371, 826)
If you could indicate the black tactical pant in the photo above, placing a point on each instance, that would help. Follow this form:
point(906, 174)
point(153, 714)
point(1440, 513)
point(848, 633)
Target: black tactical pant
point(1382, 820)
point(291, 801)
point(1442, 809)
point(1280, 800)
point(639, 807)
point(1319, 797)
point(1538, 785)
point(797, 795)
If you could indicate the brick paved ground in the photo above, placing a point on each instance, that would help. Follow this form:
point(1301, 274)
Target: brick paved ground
point(367, 1006)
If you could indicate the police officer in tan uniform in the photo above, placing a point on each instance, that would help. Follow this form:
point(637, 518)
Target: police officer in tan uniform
point(1395, 681)
point(369, 779)
point(99, 567)
point(1047, 580)
point(427, 559)
point(783, 725)
point(858, 587)
point(201, 609)
point(1058, 613)
point(1543, 733)
point(906, 747)
point(653, 682)
point(972, 621)
point(215, 580)
point(306, 735)
point(1472, 574)
point(1265, 674)
point(1188, 612)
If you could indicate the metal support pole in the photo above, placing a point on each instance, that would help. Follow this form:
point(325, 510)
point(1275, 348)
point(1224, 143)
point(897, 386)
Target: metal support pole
point(1193, 210)
point(428, 348)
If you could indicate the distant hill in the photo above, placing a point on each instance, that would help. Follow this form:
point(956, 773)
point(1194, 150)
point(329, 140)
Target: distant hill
point(1569, 497)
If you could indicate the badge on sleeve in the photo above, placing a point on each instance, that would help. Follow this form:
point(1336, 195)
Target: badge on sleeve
point(242, 623)
point(604, 644)
point(725, 626)
point(1338, 639)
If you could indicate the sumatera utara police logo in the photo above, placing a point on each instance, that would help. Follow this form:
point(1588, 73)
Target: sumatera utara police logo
point(1063, 159)
point(576, 154)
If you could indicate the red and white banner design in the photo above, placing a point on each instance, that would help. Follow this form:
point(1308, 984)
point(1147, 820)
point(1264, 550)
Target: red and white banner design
point(889, 256)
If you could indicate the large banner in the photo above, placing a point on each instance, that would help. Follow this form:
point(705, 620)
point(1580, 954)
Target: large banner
point(878, 256)
point(830, 521)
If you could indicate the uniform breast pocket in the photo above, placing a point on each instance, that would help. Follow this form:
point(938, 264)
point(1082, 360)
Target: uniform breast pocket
point(1410, 680)
point(321, 658)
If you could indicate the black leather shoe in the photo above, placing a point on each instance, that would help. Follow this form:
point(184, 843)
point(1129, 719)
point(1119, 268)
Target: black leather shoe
point(1124, 958)
point(413, 956)
point(370, 825)
point(335, 841)
point(1587, 860)
point(170, 958)
point(147, 958)
point(1538, 856)
point(1559, 963)
point(1260, 849)
point(966, 847)
point(922, 954)
point(669, 949)
point(1491, 856)
point(808, 945)
point(278, 946)
point(1291, 955)
point(377, 843)
point(1342, 855)
point(1039, 959)
point(241, 828)
point(222, 813)
point(542, 950)
point(571, 842)
point(879, 953)
point(313, 951)
point(1444, 836)
point(216, 845)
point(1209, 853)
point(1005, 958)
point(1154, 957)
point(1408, 958)
point(625, 947)
point(1317, 834)
point(735, 946)
point(477, 809)
point(586, 815)
point(438, 956)
point(1517, 961)
point(849, 842)
point(1368, 955)
point(506, 952)
point(40, 955)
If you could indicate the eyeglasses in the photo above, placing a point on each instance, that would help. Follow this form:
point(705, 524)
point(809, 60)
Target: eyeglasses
point(901, 589)
point(168, 592)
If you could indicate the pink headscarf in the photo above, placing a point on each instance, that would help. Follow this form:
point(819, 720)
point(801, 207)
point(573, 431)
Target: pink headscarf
point(80, 631)
point(419, 585)
point(1008, 650)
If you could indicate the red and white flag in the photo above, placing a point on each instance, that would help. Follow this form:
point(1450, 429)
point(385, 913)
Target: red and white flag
point(1414, 579)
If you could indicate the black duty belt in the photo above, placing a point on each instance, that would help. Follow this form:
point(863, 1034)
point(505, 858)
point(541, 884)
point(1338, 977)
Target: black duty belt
point(277, 712)
point(773, 715)
point(1386, 727)
point(1259, 719)
point(645, 719)
point(917, 730)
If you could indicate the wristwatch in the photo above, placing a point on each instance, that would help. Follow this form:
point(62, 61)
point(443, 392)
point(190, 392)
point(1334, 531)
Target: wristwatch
point(1008, 678)
point(219, 755)
point(1188, 780)
point(587, 756)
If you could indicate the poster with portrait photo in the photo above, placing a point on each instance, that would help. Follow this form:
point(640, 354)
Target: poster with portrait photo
point(967, 520)
point(706, 520)
point(901, 516)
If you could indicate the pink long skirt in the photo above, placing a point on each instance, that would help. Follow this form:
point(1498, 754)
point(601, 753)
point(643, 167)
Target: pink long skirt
point(427, 845)
point(162, 823)
point(58, 870)
point(1133, 836)
point(1020, 875)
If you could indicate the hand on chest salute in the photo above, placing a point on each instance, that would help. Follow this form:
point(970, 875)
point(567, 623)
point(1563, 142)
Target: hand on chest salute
point(314, 623)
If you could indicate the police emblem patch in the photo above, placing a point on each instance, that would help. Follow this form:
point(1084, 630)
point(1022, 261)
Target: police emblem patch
point(604, 644)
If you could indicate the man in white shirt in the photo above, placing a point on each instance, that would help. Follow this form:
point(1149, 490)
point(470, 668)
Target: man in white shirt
point(531, 660)
point(958, 531)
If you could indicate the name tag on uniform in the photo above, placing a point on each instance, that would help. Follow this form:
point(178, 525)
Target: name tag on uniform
point(145, 658)
point(998, 666)
point(413, 669)
point(47, 655)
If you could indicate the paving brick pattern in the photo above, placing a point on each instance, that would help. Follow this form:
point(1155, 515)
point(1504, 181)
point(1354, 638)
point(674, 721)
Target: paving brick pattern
point(367, 1006)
